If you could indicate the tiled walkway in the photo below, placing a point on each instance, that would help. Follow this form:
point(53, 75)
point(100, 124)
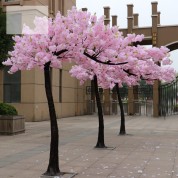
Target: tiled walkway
point(150, 150)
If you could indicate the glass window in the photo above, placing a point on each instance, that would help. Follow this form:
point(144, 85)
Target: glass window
point(14, 23)
point(12, 87)
point(60, 85)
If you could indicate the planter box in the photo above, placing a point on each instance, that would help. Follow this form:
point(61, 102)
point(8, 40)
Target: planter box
point(10, 125)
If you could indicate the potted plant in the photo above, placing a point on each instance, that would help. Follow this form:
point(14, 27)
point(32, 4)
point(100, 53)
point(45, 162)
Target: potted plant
point(10, 122)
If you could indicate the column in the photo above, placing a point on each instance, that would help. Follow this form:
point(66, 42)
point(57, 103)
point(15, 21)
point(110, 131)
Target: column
point(106, 99)
point(130, 23)
point(135, 20)
point(154, 43)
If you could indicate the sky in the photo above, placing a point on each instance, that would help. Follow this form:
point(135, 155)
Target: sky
point(168, 9)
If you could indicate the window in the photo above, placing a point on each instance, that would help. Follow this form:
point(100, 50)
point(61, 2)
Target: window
point(12, 87)
point(14, 23)
point(10, 2)
point(6, 2)
point(60, 85)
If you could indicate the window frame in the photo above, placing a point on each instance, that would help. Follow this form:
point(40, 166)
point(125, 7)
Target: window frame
point(15, 2)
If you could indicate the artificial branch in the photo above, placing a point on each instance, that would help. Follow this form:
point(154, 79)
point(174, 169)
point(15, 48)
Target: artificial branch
point(106, 63)
point(127, 71)
point(60, 52)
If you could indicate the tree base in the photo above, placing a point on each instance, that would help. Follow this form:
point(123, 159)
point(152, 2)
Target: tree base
point(122, 133)
point(100, 145)
point(53, 171)
point(125, 134)
point(60, 175)
point(105, 148)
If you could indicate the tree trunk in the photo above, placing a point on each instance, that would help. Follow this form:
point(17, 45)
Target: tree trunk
point(53, 166)
point(122, 125)
point(100, 142)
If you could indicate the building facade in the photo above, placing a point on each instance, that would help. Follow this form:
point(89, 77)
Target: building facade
point(25, 89)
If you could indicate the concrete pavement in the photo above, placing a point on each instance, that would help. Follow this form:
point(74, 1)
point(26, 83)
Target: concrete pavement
point(150, 150)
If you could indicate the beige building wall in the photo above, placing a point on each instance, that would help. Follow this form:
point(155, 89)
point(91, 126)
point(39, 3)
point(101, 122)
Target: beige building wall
point(33, 103)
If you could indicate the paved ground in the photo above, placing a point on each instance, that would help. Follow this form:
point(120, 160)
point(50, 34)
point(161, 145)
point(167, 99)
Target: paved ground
point(150, 150)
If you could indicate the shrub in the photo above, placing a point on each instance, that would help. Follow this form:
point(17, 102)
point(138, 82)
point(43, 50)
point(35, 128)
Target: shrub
point(6, 109)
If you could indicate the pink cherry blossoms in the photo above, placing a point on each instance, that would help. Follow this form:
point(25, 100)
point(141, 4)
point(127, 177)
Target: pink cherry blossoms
point(95, 49)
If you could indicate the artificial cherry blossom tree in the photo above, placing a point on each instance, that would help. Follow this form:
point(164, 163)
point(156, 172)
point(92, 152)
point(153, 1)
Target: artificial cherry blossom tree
point(46, 49)
point(109, 47)
point(149, 80)
point(99, 52)
point(37, 48)
point(98, 44)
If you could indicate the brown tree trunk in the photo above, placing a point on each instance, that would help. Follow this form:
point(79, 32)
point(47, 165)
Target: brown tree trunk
point(100, 142)
point(53, 166)
point(122, 125)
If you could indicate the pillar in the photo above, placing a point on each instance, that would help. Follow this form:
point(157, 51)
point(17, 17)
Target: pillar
point(106, 99)
point(154, 43)
point(114, 20)
point(61, 6)
point(50, 8)
point(130, 17)
point(114, 93)
point(130, 24)
point(159, 13)
point(107, 15)
point(135, 20)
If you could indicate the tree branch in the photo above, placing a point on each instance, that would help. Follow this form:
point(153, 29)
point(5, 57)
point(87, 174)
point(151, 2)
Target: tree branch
point(127, 71)
point(60, 52)
point(106, 63)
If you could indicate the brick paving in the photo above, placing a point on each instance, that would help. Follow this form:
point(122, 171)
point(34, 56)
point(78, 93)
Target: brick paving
point(150, 150)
